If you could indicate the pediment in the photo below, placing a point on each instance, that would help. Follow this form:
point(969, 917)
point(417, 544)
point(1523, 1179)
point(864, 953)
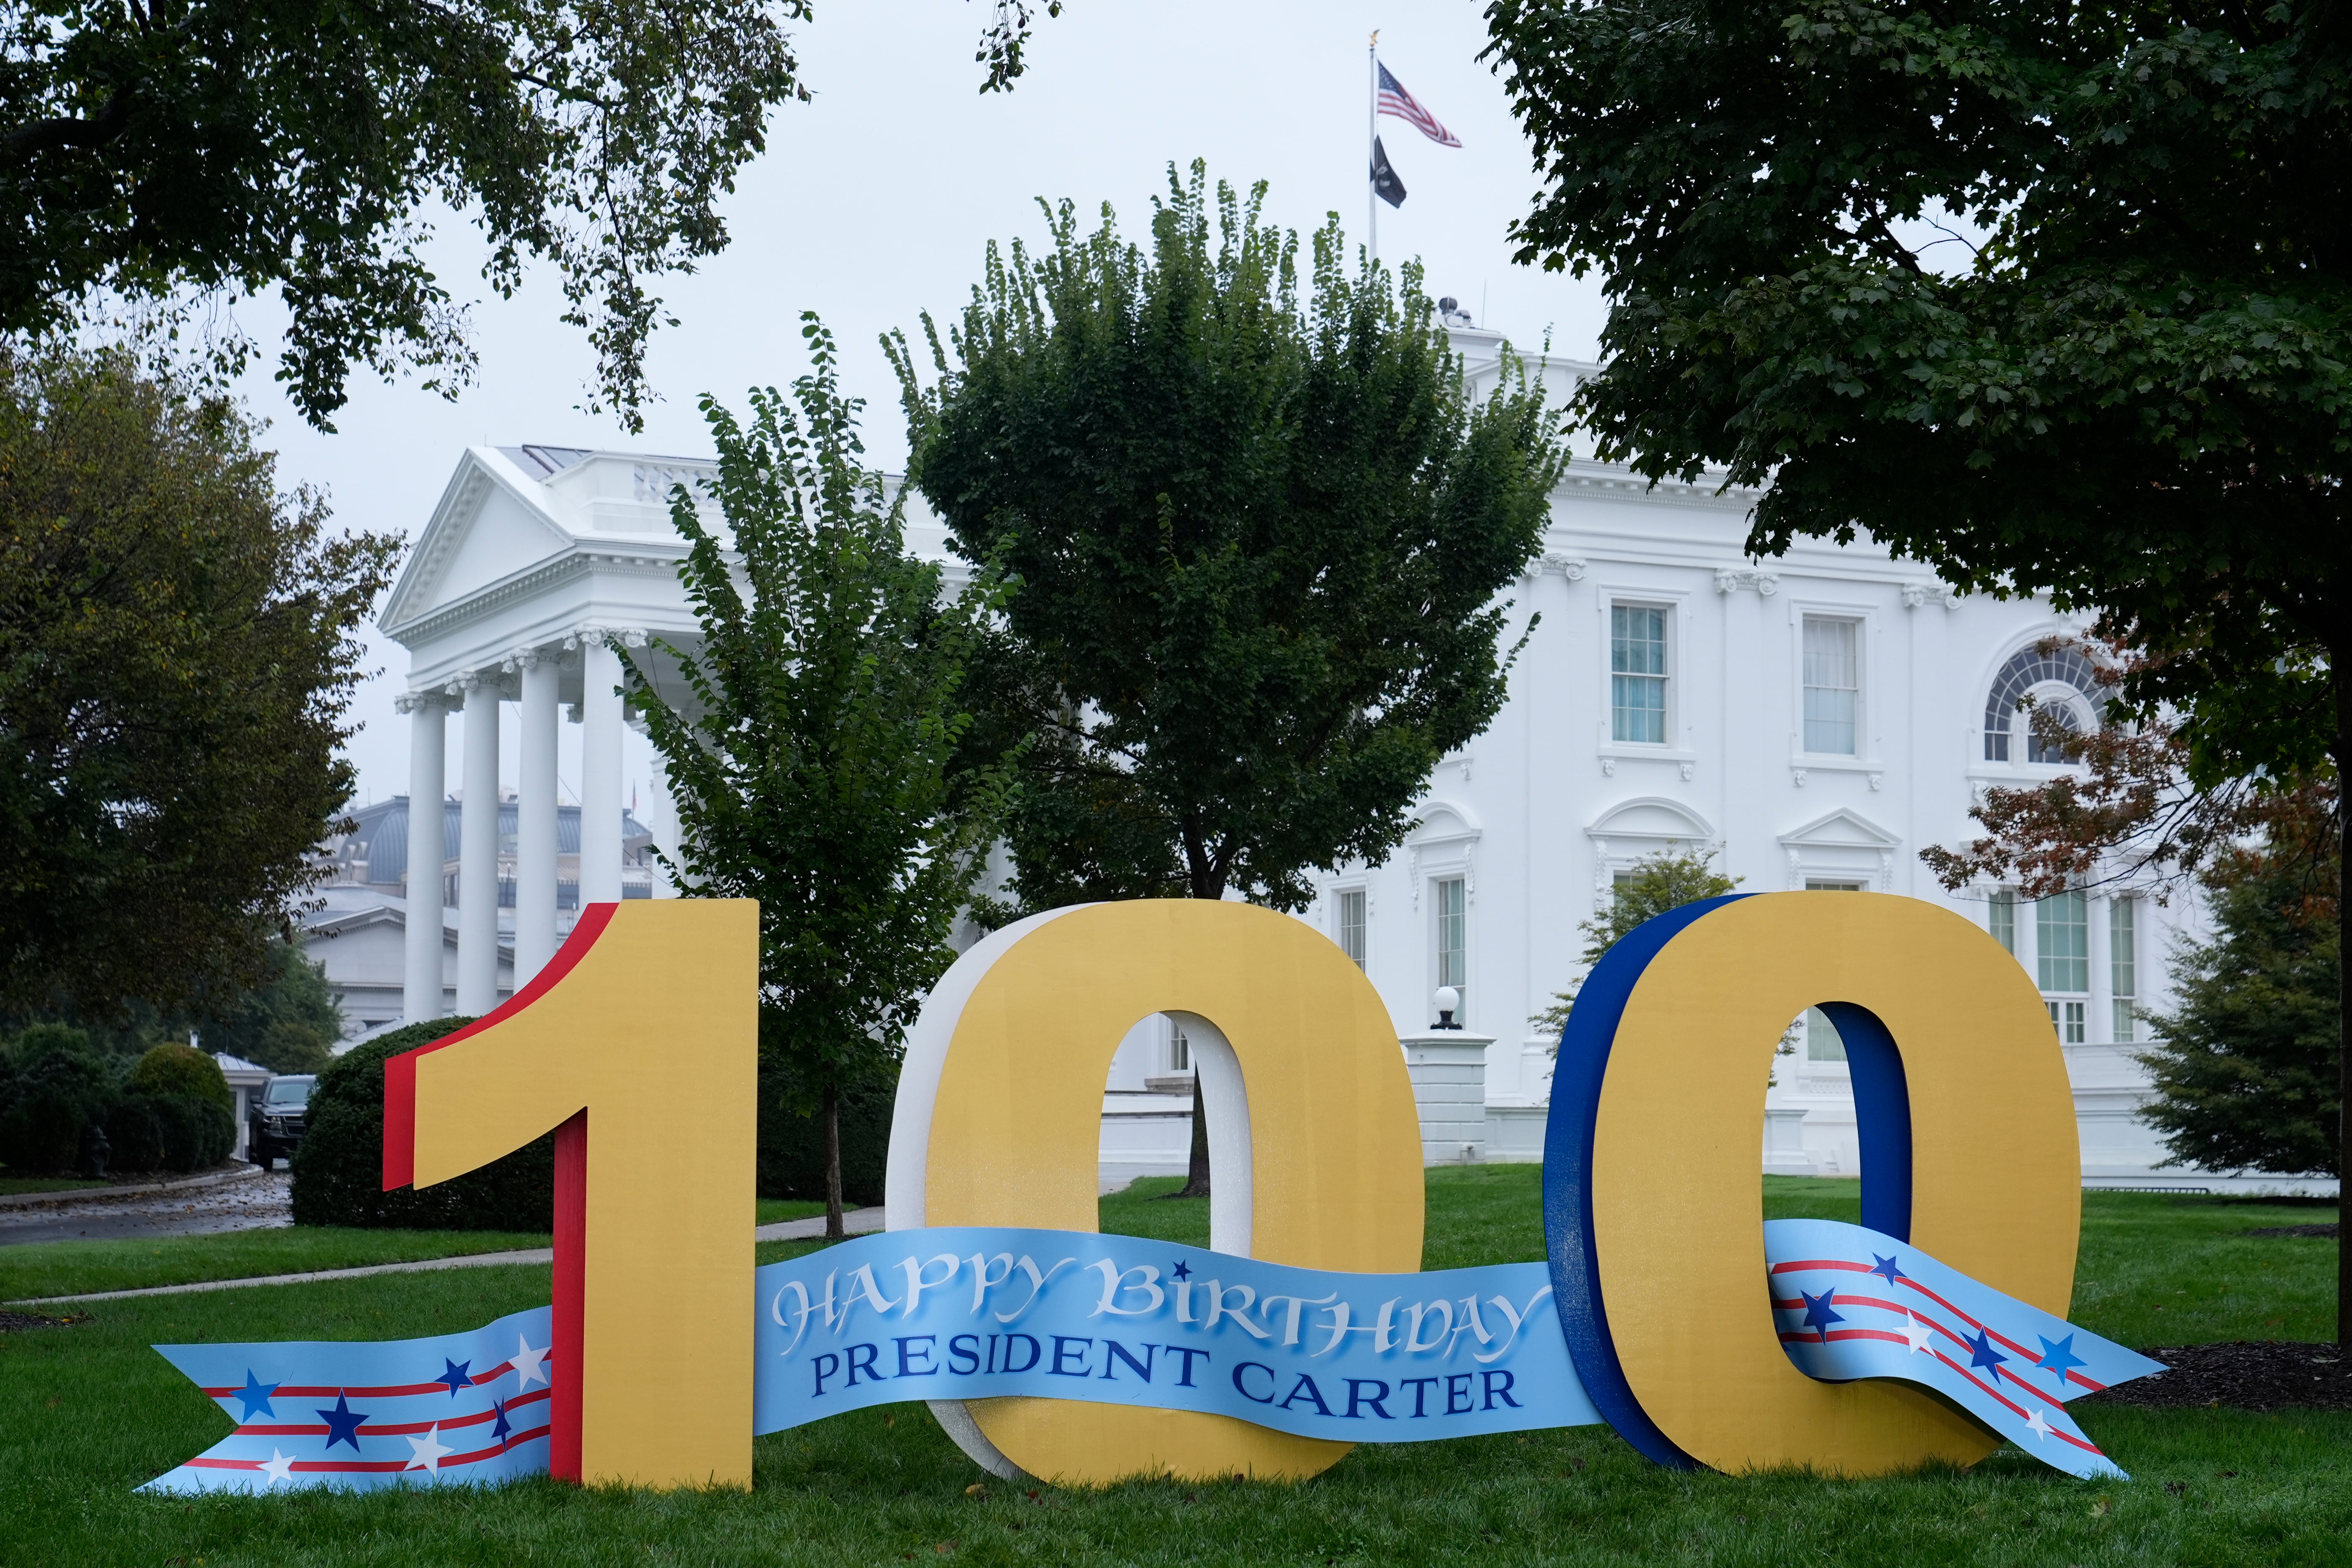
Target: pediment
point(1841, 829)
point(1444, 819)
point(1653, 817)
point(488, 526)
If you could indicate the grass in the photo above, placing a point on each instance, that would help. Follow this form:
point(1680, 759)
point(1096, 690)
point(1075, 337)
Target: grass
point(772, 1210)
point(12, 1185)
point(86, 1413)
point(70, 1267)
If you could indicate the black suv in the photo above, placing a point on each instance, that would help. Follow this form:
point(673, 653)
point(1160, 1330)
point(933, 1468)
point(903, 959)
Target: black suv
point(277, 1119)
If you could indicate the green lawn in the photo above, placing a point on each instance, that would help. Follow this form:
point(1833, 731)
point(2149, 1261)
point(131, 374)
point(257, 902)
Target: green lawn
point(772, 1210)
point(11, 1185)
point(70, 1268)
point(88, 1412)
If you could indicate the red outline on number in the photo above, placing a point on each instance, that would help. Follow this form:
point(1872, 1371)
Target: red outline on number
point(400, 1072)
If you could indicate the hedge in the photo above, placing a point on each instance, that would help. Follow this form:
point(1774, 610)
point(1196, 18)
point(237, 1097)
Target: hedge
point(339, 1165)
point(57, 1096)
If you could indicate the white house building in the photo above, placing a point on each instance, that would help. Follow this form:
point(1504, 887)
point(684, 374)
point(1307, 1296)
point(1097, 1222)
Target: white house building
point(1811, 721)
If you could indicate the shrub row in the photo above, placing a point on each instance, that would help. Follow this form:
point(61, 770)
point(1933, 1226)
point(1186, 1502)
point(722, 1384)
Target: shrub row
point(57, 1099)
point(338, 1169)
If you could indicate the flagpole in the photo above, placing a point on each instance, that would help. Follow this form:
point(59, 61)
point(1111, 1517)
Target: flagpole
point(1371, 135)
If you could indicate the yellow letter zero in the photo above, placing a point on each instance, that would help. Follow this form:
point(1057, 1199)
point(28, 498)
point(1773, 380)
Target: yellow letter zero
point(1315, 1141)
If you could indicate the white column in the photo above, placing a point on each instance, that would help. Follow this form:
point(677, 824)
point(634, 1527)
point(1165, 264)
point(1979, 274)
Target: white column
point(534, 937)
point(478, 851)
point(428, 739)
point(600, 771)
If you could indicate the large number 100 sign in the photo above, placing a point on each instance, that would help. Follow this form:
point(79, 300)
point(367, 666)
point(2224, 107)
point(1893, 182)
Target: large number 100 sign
point(1665, 1306)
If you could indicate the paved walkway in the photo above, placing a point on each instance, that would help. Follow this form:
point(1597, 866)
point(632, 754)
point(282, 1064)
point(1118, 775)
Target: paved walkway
point(239, 1200)
point(858, 1222)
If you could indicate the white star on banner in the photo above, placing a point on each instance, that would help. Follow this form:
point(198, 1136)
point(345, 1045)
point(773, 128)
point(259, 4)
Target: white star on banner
point(526, 1362)
point(278, 1466)
point(1922, 1336)
point(425, 1452)
point(2037, 1424)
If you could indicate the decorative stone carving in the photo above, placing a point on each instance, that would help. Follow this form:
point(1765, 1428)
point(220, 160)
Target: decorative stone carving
point(1731, 579)
point(1608, 767)
point(1688, 769)
point(1877, 782)
point(1797, 777)
point(1568, 567)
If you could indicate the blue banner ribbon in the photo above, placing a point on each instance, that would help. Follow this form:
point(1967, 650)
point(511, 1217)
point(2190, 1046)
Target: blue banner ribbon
point(961, 1313)
point(981, 1313)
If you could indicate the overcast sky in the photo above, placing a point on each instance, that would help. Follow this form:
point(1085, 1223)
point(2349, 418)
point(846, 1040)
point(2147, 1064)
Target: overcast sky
point(873, 203)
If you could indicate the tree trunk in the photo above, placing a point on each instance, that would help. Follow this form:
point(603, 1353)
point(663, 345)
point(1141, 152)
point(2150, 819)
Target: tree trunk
point(1208, 879)
point(829, 1109)
point(1196, 1181)
point(2343, 990)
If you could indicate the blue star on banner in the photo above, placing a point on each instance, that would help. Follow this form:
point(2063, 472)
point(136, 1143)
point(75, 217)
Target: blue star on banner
point(1885, 1269)
point(1982, 1354)
point(455, 1376)
point(254, 1395)
point(1818, 1312)
point(1181, 1271)
point(503, 1425)
point(342, 1424)
point(2059, 1357)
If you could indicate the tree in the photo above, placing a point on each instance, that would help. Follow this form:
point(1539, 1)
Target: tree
point(2245, 1062)
point(1656, 884)
point(2132, 399)
point(1257, 540)
point(224, 146)
point(288, 1024)
point(812, 769)
point(177, 654)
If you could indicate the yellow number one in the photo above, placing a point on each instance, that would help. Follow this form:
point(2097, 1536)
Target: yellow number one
point(638, 1047)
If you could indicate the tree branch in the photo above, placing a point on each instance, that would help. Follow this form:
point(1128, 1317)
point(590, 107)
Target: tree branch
point(27, 143)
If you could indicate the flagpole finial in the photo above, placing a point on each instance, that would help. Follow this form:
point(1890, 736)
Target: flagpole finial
point(1376, 39)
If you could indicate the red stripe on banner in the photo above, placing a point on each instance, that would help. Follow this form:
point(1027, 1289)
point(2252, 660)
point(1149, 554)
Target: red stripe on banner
point(391, 1428)
point(375, 1467)
point(389, 1391)
point(1823, 1263)
point(400, 1072)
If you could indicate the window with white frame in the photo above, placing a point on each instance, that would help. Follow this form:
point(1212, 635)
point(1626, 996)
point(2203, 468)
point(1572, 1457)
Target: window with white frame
point(2000, 919)
point(1823, 1043)
point(1350, 920)
point(2123, 965)
point(1832, 661)
point(1180, 1050)
point(1452, 908)
point(2061, 952)
point(1637, 674)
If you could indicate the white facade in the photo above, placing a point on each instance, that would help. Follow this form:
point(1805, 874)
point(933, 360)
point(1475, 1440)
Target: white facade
point(1812, 720)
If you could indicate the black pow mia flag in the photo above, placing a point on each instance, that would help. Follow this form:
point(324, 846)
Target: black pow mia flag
point(1385, 184)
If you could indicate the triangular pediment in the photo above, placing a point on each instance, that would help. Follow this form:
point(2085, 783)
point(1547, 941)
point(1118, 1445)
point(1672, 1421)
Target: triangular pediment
point(1841, 829)
point(490, 525)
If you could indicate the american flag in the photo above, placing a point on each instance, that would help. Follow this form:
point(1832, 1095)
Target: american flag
point(1394, 100)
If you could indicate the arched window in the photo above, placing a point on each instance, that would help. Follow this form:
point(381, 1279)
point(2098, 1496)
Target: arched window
point(2040, 676)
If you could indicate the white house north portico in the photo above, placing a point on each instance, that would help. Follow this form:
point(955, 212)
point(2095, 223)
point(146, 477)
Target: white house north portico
point(1811, 723)
point(537, 565)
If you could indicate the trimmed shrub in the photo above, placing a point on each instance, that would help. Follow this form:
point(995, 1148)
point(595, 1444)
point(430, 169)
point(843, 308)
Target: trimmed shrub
point(339, 1166)
point(134, 1134)
point(196, 1132)
point(57, 1086)
point(171, 1069)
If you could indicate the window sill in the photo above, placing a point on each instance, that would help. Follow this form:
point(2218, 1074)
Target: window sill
point(1623, 750)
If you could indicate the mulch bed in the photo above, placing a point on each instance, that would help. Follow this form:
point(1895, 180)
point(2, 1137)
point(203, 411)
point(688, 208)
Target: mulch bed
point(2268, 1375)
point(12, 1322)
point(2327, 1230)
